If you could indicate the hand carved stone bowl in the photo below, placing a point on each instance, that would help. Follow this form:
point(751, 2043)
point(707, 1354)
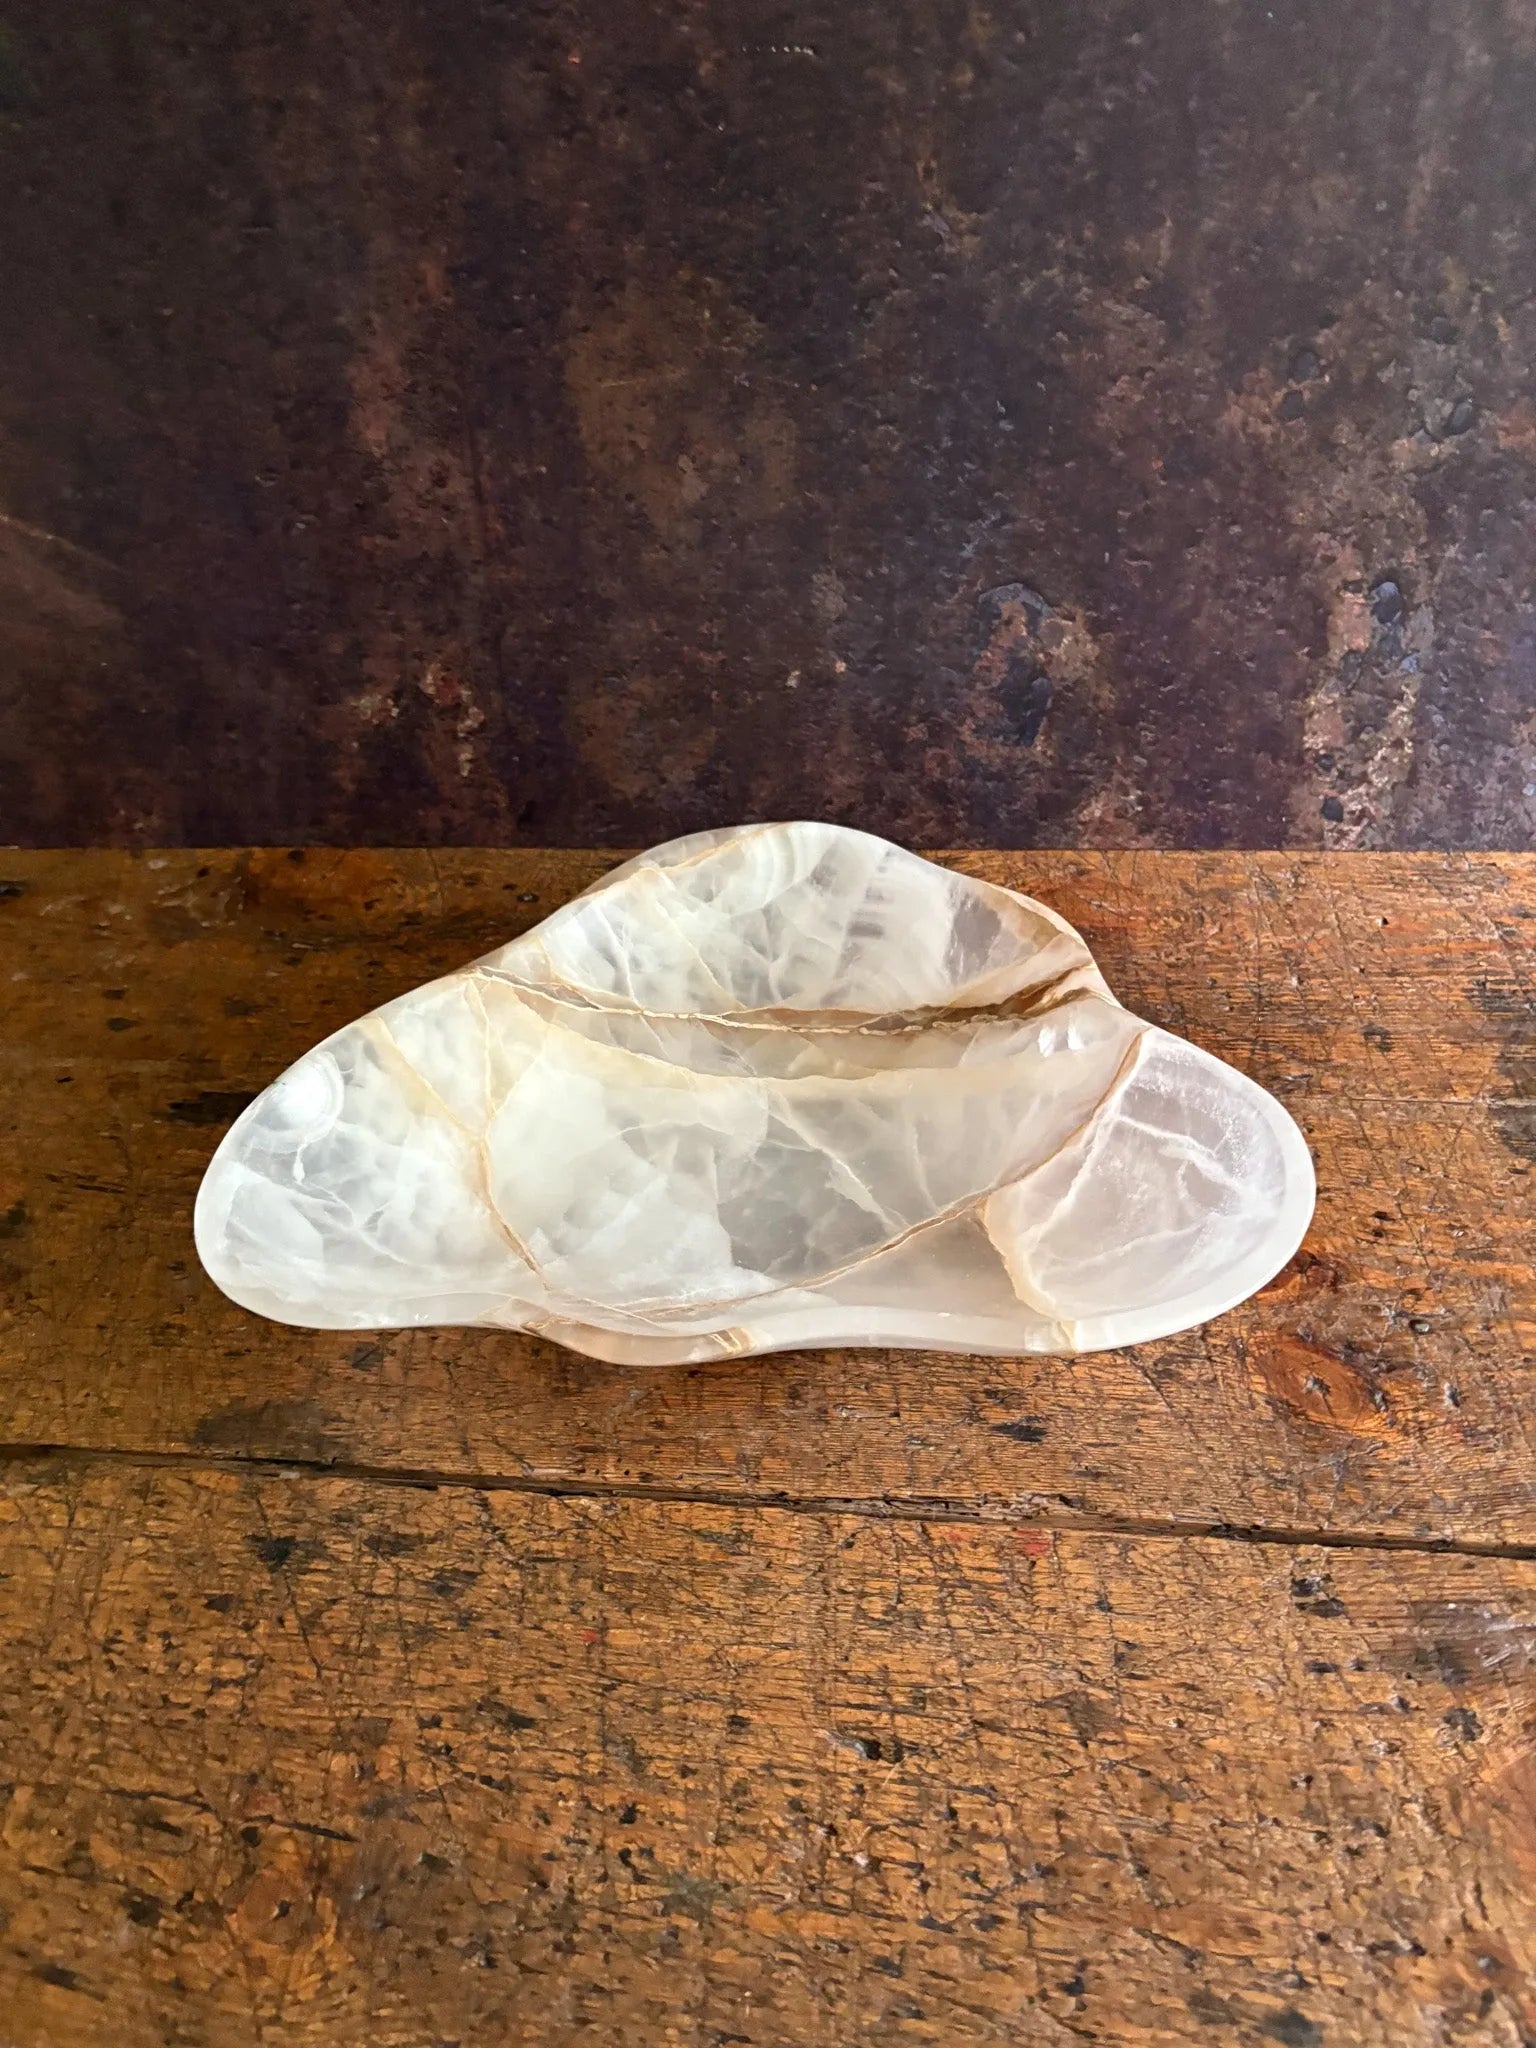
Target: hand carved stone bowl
point(773, 1087)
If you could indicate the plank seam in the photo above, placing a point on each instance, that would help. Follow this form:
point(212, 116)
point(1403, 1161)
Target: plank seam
point(984, 1513)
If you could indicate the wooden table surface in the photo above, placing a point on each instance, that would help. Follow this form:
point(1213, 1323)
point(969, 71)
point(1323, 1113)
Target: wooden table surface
point(446, 1688)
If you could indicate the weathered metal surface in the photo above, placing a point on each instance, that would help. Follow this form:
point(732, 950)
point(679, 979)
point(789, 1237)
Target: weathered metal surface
point(1104, 424)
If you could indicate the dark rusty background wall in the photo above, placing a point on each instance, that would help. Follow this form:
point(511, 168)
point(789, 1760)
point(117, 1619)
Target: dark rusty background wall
point(581, 420)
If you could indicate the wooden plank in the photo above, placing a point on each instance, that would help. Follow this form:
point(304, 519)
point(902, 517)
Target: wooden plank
point(1382, 1386)
point(335, 1762)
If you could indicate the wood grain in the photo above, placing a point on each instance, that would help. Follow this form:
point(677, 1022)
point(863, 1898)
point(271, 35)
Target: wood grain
point(335, 1762)
point(1381, 1388)
point(443, 1688)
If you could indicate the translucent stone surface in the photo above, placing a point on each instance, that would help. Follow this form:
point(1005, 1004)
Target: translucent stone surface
point(783, 1085)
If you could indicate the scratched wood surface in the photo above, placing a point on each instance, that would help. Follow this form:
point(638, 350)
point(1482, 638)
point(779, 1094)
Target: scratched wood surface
point(335, 1761)
point(446, 1688)
point(1383, 1385)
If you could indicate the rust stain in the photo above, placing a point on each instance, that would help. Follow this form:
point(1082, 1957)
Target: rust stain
point(655, 381)
point(617, 727)
point(537, 352)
